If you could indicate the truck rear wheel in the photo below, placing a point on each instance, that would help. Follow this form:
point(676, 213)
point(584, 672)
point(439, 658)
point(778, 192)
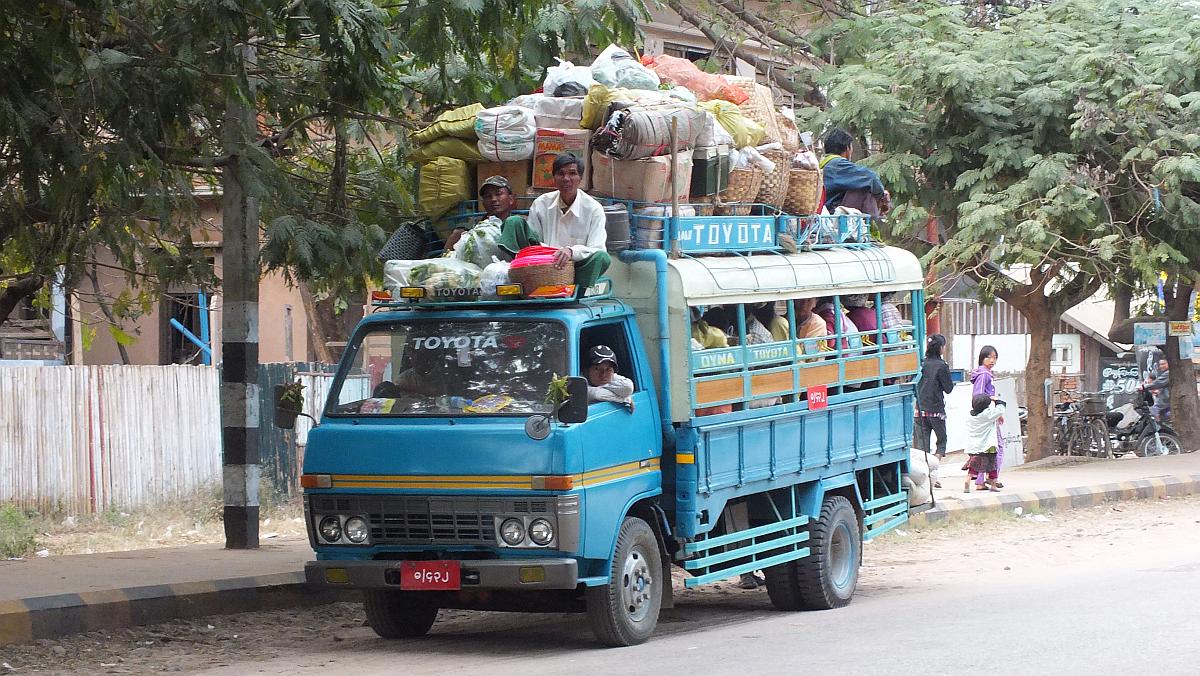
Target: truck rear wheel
point(827, 577)
point(397, 614)
point(625, 611)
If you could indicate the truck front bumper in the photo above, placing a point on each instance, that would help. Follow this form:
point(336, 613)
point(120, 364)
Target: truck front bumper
point(490, 574)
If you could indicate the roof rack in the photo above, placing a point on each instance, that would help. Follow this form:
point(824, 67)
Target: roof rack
point(601, 290)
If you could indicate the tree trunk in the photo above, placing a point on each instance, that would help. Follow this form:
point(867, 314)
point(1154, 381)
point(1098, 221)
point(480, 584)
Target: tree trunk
point(108, 313)
point(317, 328)
point(1040, 443)
point(1185, 404)
point(14, 293)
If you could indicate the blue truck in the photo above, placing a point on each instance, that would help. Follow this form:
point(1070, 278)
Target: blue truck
point(440, 476)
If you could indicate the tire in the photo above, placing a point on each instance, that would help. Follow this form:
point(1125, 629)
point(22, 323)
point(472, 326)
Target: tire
point(625, 611)
point(397, 614)
point(1147, 446)
point(827, 577)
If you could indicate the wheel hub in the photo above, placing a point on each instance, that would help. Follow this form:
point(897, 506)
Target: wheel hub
point(637, 585)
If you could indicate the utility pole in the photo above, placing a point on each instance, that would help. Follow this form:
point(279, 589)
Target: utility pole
point(239, 321)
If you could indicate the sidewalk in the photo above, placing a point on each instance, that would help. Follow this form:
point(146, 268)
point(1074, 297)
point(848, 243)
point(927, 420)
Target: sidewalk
point(55, 596)
point(1054, 484)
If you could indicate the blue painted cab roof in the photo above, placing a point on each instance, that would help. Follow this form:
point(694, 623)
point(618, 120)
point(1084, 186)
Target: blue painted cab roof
point(573, 314)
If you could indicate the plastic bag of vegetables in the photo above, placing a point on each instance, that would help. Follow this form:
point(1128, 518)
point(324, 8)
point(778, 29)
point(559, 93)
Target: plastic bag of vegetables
point(445, 277)
point(478, 246)
point(495, 274)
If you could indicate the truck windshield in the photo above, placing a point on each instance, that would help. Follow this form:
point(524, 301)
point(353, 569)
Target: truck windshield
point(452, 368)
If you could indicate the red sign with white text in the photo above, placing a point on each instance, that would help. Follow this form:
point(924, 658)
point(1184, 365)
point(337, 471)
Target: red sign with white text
point(430, 575)
point(818, 397)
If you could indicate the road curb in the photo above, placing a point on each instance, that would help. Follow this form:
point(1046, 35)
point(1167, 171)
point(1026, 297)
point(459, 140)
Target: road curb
point(43, 617)
point(1064, 498)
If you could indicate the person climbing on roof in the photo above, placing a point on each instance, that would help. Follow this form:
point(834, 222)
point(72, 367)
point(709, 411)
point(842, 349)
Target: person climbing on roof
point(848, 184)
point(497, 199)
point(568, 219)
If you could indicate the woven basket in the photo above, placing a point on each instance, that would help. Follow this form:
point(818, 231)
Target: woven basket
point(732, 209)
point(704, 209)
point(804, 192)
point(744, 183)
point(774, 188)
point(531, 277)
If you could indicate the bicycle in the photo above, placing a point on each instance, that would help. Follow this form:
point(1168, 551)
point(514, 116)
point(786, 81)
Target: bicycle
point(1079, 427)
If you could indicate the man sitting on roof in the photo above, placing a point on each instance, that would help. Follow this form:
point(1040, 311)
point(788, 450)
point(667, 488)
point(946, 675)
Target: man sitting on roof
point(568, 219)
point(846, 183)
point(497, 199)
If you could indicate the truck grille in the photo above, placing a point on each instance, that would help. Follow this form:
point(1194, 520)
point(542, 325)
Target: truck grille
point(427, 519)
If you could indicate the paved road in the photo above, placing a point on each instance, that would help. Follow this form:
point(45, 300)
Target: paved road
point(1098, 591)
point(1125, 600)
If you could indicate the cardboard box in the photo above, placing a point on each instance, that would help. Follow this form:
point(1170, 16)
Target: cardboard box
point(647, 180)
point(549, 144)
point(517, 174)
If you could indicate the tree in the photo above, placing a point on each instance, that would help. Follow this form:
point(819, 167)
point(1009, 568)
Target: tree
point(1003, 132)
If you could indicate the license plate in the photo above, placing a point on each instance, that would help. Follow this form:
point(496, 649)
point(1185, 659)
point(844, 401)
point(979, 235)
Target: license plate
point(430, 575)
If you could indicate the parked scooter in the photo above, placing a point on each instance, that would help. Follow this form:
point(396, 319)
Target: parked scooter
point(1133, 430)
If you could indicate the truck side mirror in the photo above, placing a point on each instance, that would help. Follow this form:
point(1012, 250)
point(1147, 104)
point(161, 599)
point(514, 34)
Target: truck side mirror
point(289, 401)
point(575, 408)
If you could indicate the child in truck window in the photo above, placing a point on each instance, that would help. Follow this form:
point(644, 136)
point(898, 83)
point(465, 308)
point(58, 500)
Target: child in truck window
point(604, 383)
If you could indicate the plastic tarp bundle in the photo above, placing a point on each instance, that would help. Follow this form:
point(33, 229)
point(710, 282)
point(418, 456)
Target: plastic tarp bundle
point(458, 123)
point(745, 132)
point(479, 245)
point(599, 97)
point(506, 133)
point(616, 67)
point(706, 86)
point(637, 133)
point(444, 182)
point(447, 146)
point(567, 73)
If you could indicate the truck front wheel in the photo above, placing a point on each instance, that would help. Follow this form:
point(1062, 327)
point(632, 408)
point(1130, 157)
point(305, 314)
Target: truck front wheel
point(827, 577)
point(397, 614)
point(625, 611)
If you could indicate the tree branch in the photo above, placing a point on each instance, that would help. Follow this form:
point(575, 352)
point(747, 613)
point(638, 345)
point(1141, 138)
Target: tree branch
point(807, 90)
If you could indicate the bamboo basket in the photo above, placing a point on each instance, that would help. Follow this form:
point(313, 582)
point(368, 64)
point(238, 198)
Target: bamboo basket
point(744, 184)
point(774, 189)
point(532, 277)
point(804, 192)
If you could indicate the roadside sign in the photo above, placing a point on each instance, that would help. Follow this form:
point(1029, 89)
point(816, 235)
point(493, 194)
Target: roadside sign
point(1150, 333)
point(1180, 329)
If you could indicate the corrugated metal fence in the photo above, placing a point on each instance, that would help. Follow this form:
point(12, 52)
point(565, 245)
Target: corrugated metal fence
point(89, 438)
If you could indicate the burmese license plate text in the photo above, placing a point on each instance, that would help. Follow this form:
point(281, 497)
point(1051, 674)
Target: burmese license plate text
point(430, 575)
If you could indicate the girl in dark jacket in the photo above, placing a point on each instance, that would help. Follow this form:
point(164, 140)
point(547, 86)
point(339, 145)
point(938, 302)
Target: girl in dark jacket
point(935, 384)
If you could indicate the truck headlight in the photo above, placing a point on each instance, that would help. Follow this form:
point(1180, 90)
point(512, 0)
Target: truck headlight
point(512, 531)
point(330, 529)
point(541, 532)
point(356, 530)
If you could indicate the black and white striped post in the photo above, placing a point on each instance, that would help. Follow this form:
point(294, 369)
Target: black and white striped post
point(239, 332)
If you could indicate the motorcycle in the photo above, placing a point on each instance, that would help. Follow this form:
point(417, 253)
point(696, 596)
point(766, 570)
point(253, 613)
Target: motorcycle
point(1132, 429)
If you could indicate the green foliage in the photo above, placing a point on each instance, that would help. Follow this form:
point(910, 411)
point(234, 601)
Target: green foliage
point(114, 138)
point(17, 534)
point(1062, 137)
point(556, 393)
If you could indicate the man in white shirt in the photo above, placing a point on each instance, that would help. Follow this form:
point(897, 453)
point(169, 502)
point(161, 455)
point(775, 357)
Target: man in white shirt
point(604, 384)
point(568, 219)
